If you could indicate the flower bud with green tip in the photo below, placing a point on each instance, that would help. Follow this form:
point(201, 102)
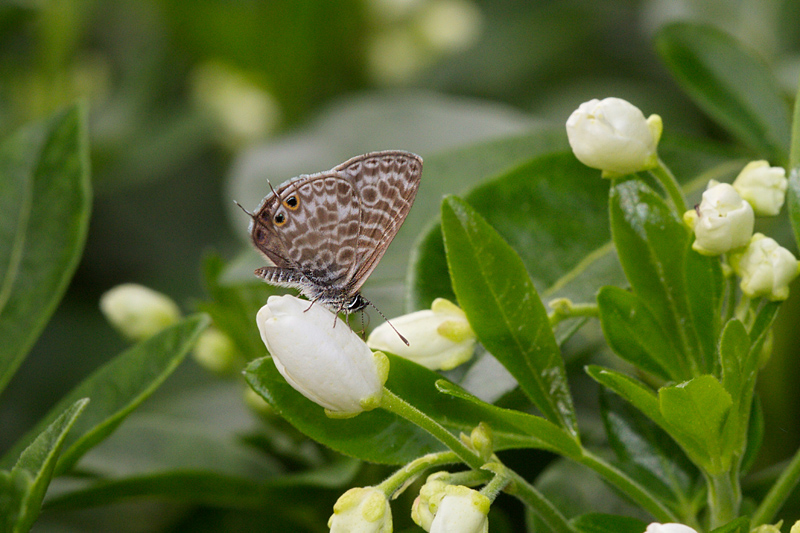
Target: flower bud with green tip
point(461, 510)
point(439, 338)
point(138, 312)
point(764, 187)
point(766, 268)
point(722, 222)
point(613, 135)
point(427, 503)
point(330, 365)
point(361, 510)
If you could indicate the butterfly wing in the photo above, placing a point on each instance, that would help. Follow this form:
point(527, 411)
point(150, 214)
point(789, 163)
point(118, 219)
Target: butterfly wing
point(386, 184)
point(309, 228)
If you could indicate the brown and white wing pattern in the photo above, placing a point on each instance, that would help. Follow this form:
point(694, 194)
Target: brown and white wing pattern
point(386, 183)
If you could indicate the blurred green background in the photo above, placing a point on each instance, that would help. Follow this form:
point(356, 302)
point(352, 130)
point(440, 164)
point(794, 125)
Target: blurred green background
point(195, 104)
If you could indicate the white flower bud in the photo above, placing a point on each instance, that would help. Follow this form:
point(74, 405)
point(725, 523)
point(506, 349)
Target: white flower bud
point(462, 510)
point(328, 364)
point(138, 312)
point(795, 527)
point(766, 268)
point(426, 504)
point(361, 510)
point(215, 351)
point(764, 187)
point(439, 338)
point(613, 136)
point(655, 527)
point(722, 222)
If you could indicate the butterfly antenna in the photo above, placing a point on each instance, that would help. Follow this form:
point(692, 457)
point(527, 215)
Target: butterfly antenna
point(405, 341)
point(251, 215)
point(273, 190)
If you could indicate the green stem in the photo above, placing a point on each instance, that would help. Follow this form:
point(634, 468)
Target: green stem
point(724, 497)
point(403, 477)
point(501, 479)
point(731, 307)
point(563, 309)
point(671, 186)
point(628, 486)
point(394, 404)
point(534, 499)
point(779, 492)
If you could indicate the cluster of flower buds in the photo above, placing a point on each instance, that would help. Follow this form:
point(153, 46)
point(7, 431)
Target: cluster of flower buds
point(613, 135)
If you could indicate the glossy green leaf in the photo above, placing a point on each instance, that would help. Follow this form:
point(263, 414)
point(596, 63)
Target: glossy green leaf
point(502, 306)
point(652, 245)
point(635, 335)
point(540, 433)
point(633, 391)
point(648, 454)
point(24, 487)
point(729, 83)
point(380, 436)
point(117, 388)
point(696, 412)
point(705, 288)
point(607, 523)
point(550, 202)
point(45, 201)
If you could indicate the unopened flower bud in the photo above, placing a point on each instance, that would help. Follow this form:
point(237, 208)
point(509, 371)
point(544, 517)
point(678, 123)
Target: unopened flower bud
point(138, 312)
point(764, 187)
point(766, 268)
point(655, 527)
point(215, 351)
point(361, 510)
point(329, 365)
point(722, 222)
point(613, 135)
point(439, 338)
point(462, 510)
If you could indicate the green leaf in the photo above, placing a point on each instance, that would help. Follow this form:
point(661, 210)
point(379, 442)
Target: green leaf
point(696, 412)
point(705, 288)
point(648, 454)
point(25, 486)
point(635, 335)
point(740, 525)
point(734, 346)
point(607, 523)
point(380, 436)
point(793, 203)
point(633, 391)
point(652, 245)
point(549, 203)
point(117, 388)
point(44, 214)
point(504, 310)
point(210, 488)
point(729, 83)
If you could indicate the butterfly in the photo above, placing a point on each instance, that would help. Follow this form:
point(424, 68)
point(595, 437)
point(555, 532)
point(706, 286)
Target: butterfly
point(326, 232)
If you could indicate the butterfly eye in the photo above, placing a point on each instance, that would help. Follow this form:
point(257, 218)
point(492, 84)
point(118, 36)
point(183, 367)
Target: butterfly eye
point(280, 219)
point(292, 202)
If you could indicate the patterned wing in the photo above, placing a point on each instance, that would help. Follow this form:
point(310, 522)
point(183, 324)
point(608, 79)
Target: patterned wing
point(310, 225)
point(386, 183)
